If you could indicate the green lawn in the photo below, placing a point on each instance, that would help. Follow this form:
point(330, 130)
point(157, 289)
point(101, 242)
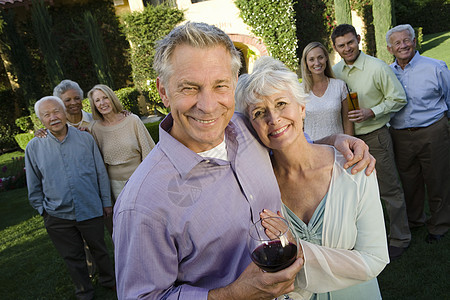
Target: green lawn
point(30, 266)
point(32, 269)
point(437, 46)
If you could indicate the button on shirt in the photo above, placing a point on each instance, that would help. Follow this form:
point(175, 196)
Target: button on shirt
point(427, 85)
point(377, 88)
point(181, 222)
point(67, 178)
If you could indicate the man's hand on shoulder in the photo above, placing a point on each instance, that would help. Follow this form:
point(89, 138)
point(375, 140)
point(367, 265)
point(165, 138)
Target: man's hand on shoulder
point(354, 150)
point(257, 284)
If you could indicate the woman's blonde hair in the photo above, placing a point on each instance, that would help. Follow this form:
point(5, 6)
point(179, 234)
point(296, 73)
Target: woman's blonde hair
point(115, 102)
point(306, 73)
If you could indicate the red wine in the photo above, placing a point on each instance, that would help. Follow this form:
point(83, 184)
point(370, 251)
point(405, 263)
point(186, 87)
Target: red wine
point(273, 257)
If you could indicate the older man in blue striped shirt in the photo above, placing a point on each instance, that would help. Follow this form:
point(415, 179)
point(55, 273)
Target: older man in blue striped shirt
point(420, 132)
point(68, 185)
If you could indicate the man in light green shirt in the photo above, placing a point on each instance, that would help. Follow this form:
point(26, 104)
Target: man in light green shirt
point(380, 94)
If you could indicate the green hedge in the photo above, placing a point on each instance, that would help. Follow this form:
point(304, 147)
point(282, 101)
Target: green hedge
point(129, 97)
point(8, 127)
point(274, 21)
point(431, 15)
point(153, 129)
point(22, 139)
point(143, 29)
point(314, 20)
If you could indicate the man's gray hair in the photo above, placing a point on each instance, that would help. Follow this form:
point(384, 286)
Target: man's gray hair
point(400, 28)
point(198, 35)
point(38, 104)
point(66, 85)
point(269, 76)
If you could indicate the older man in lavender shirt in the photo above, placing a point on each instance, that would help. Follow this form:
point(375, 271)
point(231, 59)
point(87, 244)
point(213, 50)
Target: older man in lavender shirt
point(181, 222)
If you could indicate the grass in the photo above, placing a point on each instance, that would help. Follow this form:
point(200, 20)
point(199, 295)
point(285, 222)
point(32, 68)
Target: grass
point(32, 269)
point(420, 273)
point(437, 46)
point(12, 170)
point(6, 158)
point(30, 266)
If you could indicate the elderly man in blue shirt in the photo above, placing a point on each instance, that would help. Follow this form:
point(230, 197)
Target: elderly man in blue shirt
point(420, 132)
point(68, 185)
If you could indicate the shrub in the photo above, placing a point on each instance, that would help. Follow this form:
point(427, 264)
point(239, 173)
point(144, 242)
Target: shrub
point(69, 29)
point(98, 51)
point(36, 122)
point(419, 37)
point(12, 174)
point(25, 123)
point(315, 21)
point(152, 97)
point(86, 105)
point(129, 99)
point(143, 29)
point(8, 127)
point(273, 21)
point(22, 139)
point(153, 129)
point(431, 15)
point(364, 10)
point(69, 33)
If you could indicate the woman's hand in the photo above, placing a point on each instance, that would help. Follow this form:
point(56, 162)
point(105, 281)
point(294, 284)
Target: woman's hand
point(40, 133)
point(275, 226)
point(125, 113)
point(83, 129)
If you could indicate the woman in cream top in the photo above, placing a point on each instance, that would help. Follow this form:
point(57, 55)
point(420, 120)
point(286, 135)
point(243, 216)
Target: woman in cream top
point(122, 139)
point(337, 216)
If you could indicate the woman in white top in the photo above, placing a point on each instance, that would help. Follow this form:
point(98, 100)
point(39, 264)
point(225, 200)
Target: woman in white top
point(337, 215)
point(326, 107)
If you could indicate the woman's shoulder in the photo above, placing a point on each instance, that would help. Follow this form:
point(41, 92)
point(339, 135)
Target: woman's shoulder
point(337, 82)
point(133, 118)
point(340, 161)
point(93, 125)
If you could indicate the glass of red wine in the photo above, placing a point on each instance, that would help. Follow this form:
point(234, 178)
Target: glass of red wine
point(273, 244)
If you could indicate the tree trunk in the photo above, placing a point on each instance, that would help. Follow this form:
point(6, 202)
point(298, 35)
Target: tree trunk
point(383, 21)
point(343, 13)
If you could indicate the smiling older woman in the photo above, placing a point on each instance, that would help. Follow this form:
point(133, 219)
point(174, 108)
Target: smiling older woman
point(72, 95)
point(338, 216)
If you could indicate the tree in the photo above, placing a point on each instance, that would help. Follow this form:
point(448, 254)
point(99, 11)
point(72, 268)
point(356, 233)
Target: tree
point(383, 20)
point(17, 64)
point(143, 29)
point(98, 50)
point(42, 25)
point(343, 13)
